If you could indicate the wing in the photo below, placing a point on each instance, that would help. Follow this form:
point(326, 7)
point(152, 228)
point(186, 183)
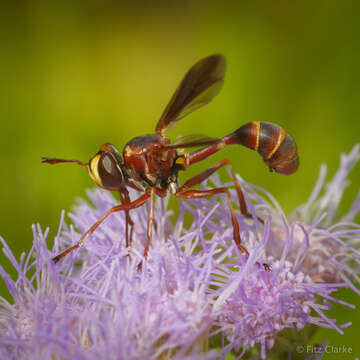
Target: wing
point(191, 141)
point(199, 86)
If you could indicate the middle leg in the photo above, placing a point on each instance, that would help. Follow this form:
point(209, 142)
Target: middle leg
point(149, 226)
point(125, 199)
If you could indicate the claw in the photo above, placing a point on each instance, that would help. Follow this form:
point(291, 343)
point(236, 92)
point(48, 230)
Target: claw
point(55, 259)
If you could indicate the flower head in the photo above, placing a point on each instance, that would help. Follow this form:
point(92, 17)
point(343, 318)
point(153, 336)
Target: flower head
point(43, 320)
point(311, 258)
point(195, 283)
point(253, 306)
point(106, 307)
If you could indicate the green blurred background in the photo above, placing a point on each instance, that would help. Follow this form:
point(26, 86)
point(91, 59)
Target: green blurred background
point(77, 74)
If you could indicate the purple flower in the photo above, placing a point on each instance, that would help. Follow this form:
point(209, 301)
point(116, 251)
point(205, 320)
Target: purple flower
point(309, 263)
point(333, 245)
point(253, 305)
point(194, 286)
point(43, 321)
point(106, 308)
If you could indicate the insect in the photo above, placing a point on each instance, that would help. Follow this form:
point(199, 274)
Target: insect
point(151, 163)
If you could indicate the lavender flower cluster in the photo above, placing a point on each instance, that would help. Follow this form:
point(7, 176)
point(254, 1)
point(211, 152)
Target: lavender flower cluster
point(196, 296)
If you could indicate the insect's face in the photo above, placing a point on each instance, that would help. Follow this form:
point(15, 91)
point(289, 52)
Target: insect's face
point(105, 168)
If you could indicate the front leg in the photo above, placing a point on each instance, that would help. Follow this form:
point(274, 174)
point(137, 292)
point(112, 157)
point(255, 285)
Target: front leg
point(128, 206)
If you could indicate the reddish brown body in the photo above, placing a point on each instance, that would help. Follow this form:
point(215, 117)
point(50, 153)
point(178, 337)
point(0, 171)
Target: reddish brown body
point(146, 166)
point(150, 163)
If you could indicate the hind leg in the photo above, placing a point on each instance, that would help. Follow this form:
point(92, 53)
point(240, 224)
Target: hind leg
point(208, 172)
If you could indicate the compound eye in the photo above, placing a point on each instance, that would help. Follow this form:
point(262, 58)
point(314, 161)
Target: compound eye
point(105, 170)
point(109, 172)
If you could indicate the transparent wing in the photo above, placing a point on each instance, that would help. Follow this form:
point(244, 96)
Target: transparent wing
point(199, 86)
point(188, 141)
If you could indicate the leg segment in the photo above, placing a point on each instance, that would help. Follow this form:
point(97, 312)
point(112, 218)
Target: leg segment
point(208, 172)
point(125, 199)
point(128, 206)
point(205, 193)
point(150, 222)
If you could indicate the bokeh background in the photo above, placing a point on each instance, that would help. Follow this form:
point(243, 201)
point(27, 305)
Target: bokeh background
point(76, 74)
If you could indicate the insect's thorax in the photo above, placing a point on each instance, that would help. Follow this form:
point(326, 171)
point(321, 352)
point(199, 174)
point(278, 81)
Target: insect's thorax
point(148, 164)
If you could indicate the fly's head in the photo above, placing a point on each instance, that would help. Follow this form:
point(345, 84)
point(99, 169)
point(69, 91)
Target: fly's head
point(106, 168)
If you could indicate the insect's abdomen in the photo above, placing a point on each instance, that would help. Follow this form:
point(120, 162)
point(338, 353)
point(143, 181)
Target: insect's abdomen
point(277, 148)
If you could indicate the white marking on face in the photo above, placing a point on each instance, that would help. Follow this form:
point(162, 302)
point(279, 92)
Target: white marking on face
point(172, 188)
